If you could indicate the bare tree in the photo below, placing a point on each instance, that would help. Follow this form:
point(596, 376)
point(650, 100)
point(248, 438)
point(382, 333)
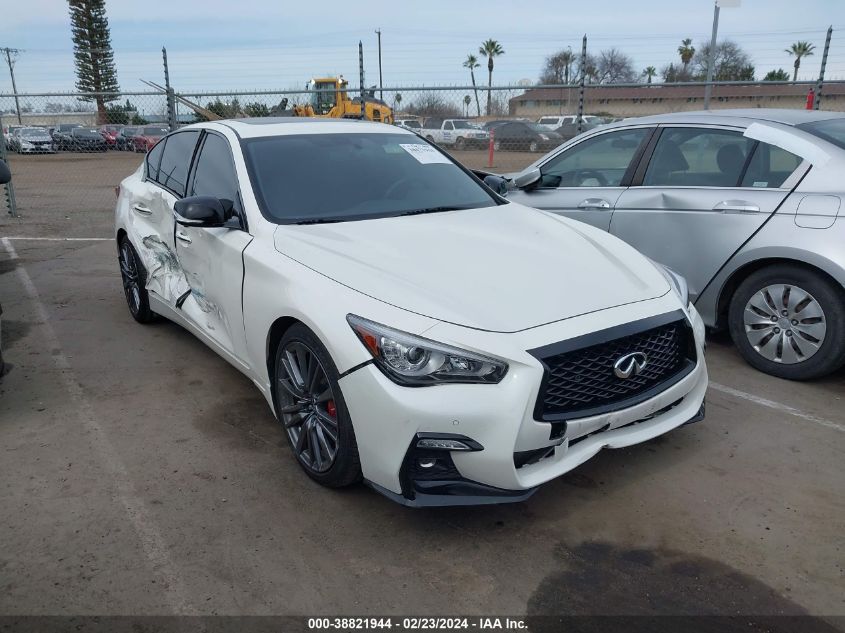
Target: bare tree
point(615, 67)
point(732, 63)
point(433, 104)
point(589, 69)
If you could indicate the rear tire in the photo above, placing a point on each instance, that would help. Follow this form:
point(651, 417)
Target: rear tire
point(134, 276)
point(786, 321)
point(460, 143)
point(310, 405)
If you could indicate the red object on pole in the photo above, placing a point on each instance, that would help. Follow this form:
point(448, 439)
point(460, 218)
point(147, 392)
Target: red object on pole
point(811, 97)
point(490, 150)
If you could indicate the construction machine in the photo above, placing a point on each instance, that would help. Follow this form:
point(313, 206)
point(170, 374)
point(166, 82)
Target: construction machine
point(328, 97)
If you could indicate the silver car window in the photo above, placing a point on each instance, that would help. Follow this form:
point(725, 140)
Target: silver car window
point(769, 167)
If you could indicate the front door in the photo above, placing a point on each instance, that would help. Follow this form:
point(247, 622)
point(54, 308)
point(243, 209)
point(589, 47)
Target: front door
point(706, 190)
point(585, 180)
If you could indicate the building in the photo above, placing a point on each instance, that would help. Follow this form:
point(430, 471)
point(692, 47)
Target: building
point(627, 101)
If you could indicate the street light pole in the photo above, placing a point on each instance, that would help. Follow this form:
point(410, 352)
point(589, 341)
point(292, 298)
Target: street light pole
point(711, 58)
point(380, 84)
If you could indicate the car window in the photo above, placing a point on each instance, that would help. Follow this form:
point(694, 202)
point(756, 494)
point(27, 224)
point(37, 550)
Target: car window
point(600, 161)
point(548, 121)
point(215, 171)
point(176, 160)
point(154, 158)
point(770, 166)
point(832, 130)
point(448, 126)
point(698, 157)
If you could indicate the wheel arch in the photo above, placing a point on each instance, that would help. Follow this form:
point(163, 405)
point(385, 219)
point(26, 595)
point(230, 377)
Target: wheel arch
point(742, 273)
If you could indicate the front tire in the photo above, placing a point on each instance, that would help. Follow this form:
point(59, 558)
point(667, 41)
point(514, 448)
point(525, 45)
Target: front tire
point(460, 143)
point(785, 321)
point(310, 405)
point(134, 276)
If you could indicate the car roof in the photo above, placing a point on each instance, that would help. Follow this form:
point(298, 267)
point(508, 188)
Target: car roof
point(280, 126)
point(738, 117)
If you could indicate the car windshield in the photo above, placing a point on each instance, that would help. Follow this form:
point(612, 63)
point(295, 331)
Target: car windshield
point(32, 132)
point(155, 131)
point(832, 130)
point(85, 133)
point(341, 177)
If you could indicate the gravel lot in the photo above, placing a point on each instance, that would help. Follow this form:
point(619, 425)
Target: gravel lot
point(143, 474)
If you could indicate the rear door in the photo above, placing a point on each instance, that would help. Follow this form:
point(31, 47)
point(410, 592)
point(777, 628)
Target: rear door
point(211, 258)
point(585, 180)
point(702, 193)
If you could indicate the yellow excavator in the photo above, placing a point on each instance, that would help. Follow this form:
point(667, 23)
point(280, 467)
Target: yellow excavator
point(329, 98)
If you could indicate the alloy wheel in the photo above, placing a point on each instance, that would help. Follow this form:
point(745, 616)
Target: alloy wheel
point(307, 406)
point(784, 323)
point(131, 281)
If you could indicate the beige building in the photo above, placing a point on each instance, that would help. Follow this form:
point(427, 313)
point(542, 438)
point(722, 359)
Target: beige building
point(659, 98)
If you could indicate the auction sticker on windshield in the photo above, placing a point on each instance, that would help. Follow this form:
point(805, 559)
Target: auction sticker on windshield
point(425, 154)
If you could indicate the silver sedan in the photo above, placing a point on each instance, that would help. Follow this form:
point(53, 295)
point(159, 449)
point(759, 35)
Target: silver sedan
point(746, 204)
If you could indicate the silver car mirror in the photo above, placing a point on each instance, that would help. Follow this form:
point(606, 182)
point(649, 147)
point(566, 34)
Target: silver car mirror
point(528, 178)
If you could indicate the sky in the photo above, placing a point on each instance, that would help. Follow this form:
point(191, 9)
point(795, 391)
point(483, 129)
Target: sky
point(220, 45)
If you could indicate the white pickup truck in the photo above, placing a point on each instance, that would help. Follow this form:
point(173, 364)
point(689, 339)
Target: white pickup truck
point(455, 133)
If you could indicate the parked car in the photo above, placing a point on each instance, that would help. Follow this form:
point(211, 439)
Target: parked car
point(63, 129)
point(746, 204)
point(80, 139)
point(524, 136)
point(31, 140)
point(9, 133)
point(445, 368)
point(410, 124)
point(121, 142)
point(145, 137)
point(554, 122)
point(110, 134)
point(456, 133)
point(570, 129)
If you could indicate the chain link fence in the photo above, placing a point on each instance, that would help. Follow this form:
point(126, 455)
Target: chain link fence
point(67, 152)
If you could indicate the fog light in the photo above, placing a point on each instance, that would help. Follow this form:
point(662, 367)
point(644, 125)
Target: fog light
point(443, 444)
point(427, 462)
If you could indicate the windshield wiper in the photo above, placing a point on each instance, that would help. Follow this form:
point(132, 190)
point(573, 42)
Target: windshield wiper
point(432, 210)
point(320, 221)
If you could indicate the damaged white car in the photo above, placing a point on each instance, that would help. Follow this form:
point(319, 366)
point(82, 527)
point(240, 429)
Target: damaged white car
point(406, 324)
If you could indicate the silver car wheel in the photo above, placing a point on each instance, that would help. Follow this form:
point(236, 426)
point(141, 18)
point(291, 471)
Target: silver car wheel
point(785, 323)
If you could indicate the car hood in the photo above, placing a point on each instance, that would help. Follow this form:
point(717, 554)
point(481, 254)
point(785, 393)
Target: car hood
point(503, 269)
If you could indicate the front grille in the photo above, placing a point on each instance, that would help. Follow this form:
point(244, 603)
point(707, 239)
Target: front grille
point(580, 379)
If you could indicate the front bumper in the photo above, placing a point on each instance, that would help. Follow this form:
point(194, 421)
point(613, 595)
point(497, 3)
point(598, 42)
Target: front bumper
point(519, 452)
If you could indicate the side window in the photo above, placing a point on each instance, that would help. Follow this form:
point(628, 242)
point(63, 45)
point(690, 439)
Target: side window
point(770, 166)
point(597, 162)
point(698, 157)
point(176, 160)
point(215, 172)
point(154, 158)
point(448, 126)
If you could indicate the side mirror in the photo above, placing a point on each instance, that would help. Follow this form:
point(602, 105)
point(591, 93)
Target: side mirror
point(528, 179)
point(497, 184)
point(5, 173)
point(204, 211)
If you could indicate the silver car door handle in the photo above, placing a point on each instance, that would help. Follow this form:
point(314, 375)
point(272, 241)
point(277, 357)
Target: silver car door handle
point(183, 237)
point(594, 203)
point(736, 206)
point(141, 209)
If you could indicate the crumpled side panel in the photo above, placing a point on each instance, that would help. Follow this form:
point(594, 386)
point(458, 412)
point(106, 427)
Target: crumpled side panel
point(165, 276)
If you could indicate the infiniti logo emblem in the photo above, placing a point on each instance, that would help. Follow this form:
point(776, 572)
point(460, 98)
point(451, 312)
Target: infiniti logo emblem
point(630, 365)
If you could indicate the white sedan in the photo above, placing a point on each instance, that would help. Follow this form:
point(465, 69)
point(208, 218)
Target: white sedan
point(407, 325)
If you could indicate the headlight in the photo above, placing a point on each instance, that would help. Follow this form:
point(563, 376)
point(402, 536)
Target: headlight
point(416, 362)
point(678, 283)
point(26, 144)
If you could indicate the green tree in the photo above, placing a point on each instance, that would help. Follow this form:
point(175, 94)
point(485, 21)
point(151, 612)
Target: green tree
point(732, 63)
point(92, 52)
point(687, 51)
point(471, 62)
point(256, 109)
point(490, 49)
point(799, 50)
point(467, 101)
point(649, 72)
point(776, 75)
point(558, 67)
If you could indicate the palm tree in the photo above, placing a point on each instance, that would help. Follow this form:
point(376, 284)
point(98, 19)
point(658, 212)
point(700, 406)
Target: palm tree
point(490, 49)
point(471, 62)
point(397, 99)
point(467, 101)
point(799, 49)
point(649, 72)
point(686, 50)
point(567, 58)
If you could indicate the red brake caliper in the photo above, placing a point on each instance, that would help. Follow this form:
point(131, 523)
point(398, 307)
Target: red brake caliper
point(331, 408)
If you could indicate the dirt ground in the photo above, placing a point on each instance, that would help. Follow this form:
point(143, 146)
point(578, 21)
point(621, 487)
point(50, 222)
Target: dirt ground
point(142, 474)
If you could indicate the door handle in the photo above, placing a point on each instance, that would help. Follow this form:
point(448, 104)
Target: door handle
point(141, 209)
point(736, 206)
point(594, 203)
point(183, 237)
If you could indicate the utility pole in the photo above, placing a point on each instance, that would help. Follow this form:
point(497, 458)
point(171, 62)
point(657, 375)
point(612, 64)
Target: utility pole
point(821, 71)
point(11, 54)
point(380, 84)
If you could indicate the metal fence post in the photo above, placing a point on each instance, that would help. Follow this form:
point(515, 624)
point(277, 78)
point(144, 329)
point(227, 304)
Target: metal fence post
point(711, 58)
point(581, 86)
point(171, 97)
point(361, 78)
point(818, 102)
point(10, 189)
